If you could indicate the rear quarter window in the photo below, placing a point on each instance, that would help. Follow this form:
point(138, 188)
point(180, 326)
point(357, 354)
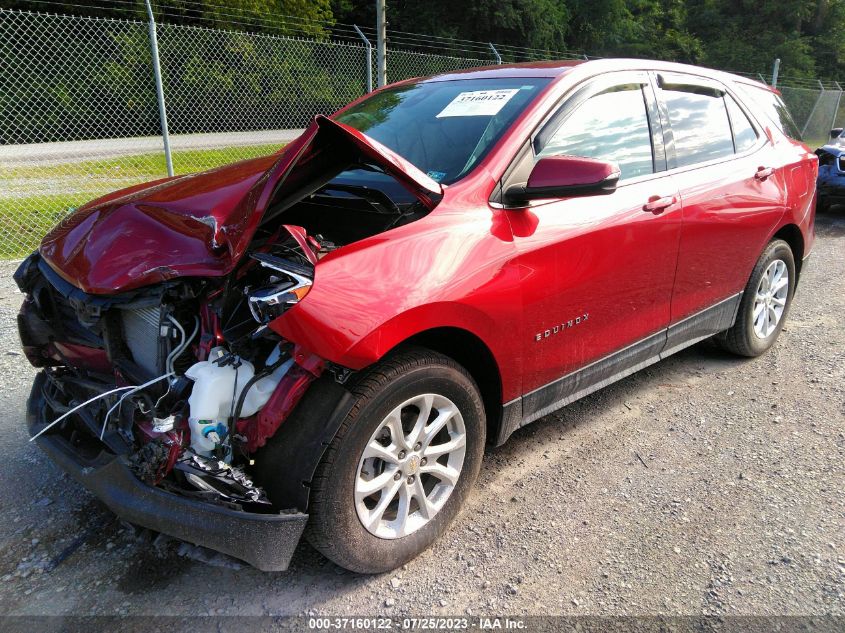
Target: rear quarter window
point(744, 135)
point(773, 107)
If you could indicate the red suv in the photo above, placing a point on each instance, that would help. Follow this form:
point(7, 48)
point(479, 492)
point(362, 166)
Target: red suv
point(324, 340)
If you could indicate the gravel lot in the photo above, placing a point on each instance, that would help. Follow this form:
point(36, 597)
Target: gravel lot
point(705, 484)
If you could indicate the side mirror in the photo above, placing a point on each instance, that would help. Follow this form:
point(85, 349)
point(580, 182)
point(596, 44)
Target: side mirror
point(565, 177)
point(836, 132)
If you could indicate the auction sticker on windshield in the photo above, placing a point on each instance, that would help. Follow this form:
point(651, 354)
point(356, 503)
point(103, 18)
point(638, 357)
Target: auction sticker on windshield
point(478, 103)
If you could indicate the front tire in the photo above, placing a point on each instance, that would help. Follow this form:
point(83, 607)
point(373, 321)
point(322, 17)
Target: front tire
point(765, 303)
point(402, 463)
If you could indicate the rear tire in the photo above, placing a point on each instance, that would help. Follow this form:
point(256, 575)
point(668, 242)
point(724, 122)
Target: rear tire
point(388, 444)
point(765, 303)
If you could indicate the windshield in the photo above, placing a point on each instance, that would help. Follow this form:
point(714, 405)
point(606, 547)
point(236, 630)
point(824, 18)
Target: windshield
point(445, 128)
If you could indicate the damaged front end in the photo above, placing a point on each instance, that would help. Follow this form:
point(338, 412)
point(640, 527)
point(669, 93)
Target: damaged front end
point(831, 179)
point(164, 389)
point(158, 399)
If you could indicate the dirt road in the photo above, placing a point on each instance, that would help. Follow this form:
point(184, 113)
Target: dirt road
point(52, 154)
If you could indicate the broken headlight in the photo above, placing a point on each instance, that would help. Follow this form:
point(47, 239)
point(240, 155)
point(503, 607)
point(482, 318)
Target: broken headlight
point(287, 285)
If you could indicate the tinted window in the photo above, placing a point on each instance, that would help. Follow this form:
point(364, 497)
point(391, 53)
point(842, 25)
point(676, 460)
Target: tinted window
point(699, 123)
point(443, 127)
point(774, 108)
point(611, 125)
point(744, 135)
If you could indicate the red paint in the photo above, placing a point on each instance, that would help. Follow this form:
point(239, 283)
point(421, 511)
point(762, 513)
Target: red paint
point(287, 395)
point(211, 333)
point(730, 215)
point(568, 171)
point(81, 356)
point(201, 225)
point(505, 275)
point(601, 256)
point(501, 275)
point(306, 245)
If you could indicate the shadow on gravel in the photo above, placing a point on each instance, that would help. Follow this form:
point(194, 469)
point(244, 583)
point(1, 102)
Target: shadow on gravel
point(147, 570)
point(832, 222)
point(703, 358)
point(94, 525)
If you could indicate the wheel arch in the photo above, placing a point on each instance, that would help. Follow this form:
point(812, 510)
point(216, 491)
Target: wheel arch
point(469, 351)
point(791, 234)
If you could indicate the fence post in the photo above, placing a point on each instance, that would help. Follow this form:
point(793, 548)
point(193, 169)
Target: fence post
point(495, 53)
point(812, 112)
point(836, 109)
point(369, 57)
point(162, 110)
point(775, 71)
point(381, 42)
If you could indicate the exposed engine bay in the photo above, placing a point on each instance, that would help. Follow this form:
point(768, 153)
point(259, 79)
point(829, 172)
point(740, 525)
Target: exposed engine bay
point(184, 378)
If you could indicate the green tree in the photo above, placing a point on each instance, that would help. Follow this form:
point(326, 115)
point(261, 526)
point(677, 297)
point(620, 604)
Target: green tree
point(295, 17)
point(747, 35)
point(827, 41)
point(527, 23)
point(658, 29)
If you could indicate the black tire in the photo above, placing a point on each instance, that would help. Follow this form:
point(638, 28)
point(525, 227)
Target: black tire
point(741, 338)
point(334, 527)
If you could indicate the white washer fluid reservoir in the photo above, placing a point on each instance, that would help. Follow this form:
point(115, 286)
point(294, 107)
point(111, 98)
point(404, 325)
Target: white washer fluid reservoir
point(215, 394)
point(260, 392)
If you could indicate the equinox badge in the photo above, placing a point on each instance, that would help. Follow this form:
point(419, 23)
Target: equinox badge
point(557, 329)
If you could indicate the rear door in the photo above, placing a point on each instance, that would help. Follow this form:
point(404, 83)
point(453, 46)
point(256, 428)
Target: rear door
point(597, 270)
point(727, 175)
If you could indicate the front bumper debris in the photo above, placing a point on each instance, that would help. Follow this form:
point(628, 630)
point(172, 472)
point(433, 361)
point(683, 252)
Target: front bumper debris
point(265, 541)
point(831, 180)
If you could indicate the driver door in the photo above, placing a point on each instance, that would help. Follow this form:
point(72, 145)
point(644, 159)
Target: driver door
point(597, 271)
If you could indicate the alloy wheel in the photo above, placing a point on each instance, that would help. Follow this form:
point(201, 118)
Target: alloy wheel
point(410, 466)
point(770, 299)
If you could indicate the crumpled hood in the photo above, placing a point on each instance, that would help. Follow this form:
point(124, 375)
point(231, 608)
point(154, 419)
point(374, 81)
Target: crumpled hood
point(200, 225)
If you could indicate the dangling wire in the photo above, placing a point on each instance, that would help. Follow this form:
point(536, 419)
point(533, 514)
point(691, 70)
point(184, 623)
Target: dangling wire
point(126, 395)
point(77, 408)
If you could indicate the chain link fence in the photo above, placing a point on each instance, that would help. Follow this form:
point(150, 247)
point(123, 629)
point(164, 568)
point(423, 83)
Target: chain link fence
point(816, 111)
point(229, 81)
point(65, 81)
point(403, 64)
point(79, 115)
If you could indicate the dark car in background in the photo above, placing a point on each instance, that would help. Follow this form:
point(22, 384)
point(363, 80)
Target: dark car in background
point(831, 182)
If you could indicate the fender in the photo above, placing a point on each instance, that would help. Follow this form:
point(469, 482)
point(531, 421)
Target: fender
point(301, 440)
point(402, 327)
point(373, 346)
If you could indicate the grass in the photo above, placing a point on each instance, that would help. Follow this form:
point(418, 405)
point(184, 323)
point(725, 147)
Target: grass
point(34, 198)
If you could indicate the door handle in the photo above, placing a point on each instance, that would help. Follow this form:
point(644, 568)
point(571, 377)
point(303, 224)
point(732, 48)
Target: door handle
point(763, 173)
point(656, 204)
